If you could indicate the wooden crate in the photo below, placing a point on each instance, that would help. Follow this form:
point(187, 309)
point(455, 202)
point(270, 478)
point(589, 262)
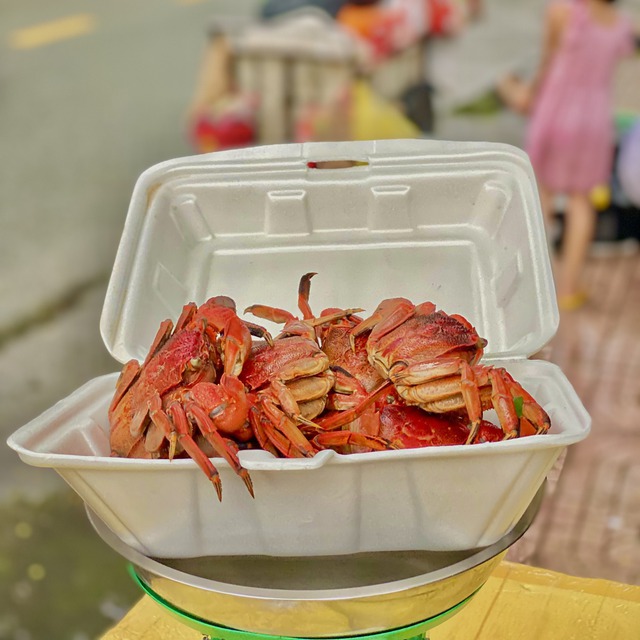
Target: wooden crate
point(300, 60)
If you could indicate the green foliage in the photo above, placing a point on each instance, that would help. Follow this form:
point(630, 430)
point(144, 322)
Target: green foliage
point(485, 105)
point(58, 579)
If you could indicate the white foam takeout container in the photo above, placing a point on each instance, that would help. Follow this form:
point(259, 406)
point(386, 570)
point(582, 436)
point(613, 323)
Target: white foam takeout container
point(455, 223)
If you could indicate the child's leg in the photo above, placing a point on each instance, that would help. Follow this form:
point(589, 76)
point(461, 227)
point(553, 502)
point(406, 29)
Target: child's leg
point(547, 202)
point(580, 226)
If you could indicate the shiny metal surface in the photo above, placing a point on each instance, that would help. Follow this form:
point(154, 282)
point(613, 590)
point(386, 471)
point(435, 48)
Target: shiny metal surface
point(319, 596)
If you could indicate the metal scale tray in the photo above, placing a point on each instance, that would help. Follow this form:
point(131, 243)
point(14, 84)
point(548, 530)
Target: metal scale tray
point(318, 597)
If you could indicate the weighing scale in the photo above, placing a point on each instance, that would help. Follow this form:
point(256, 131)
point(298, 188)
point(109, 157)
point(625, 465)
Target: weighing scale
point(396, 595)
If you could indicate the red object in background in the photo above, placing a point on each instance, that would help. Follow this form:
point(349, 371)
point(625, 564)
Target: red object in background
point(441, 15)
point(392, 26)
point(373, 23)
point(228, 131)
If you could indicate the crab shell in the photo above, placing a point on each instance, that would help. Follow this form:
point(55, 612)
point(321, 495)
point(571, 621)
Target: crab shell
point(297, 362)
point(408, 427)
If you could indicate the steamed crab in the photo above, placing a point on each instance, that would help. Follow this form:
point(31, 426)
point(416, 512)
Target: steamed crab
point(187, 382)
point(401, 426)
point(291, 378)
point(432, 359)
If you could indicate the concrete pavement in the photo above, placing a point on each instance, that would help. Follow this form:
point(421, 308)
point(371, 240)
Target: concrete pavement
point(80, 119)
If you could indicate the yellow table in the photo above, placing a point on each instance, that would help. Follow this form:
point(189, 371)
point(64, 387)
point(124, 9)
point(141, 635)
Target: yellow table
point(517, 603)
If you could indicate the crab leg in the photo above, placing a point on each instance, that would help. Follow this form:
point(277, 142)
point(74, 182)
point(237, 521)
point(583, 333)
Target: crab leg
point(337, 315)
point(504, 391)
point(177, 429)
point(280, 316)
point(293, 326)
point(155, 435)
point(273, 314)
point(132, 369)
point(279, 391)
point(188, 311)
point(209, 431)
point(304, 289)
point(389, 315)
point(341, 438)
point(500, 400)
point(220, 318)
point(531, 410)
point(260, 433)
point(503, 404)
point(471, 397)
point(259, 332)
point(127, 377)
point(341, 418)
point(270, 439)
point(287, 426)
point(236, 341)
point(163, 424)
point(163, 334)
point(236, 345)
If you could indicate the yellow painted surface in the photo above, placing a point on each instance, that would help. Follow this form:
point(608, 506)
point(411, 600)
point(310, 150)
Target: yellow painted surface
point(54, 31)
point(518, 601)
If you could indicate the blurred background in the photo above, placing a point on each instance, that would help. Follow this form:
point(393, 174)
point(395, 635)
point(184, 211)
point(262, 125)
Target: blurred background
point(92, 94)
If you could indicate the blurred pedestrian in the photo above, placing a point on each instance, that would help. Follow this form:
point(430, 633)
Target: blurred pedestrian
point(570, 134)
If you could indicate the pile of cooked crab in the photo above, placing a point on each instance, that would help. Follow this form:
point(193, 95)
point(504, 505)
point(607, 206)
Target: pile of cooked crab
point(407, 376)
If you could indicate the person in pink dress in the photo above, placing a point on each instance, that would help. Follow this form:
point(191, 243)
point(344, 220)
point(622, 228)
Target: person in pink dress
point(570, 134)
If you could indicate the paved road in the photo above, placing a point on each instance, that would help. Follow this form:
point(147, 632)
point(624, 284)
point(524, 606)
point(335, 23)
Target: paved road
point(90, 96)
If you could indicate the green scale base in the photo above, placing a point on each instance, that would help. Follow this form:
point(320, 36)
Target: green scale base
point(211, 631)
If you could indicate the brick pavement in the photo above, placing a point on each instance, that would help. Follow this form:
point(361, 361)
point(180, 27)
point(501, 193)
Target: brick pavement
point(590, 525)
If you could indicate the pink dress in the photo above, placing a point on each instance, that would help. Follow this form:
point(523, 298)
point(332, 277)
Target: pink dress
point(570, 137)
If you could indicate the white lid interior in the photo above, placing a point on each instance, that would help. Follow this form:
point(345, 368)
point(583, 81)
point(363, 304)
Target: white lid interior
point(455, 223)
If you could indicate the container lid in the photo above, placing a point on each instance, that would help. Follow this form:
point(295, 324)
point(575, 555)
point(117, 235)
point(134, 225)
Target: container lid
point(456, 223)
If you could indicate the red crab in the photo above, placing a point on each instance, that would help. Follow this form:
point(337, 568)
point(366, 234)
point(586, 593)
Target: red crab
point(162, 399)
point(355, 380)
point(291, 377)
point(431, 358)
point(409, 427)
point(290, 380)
